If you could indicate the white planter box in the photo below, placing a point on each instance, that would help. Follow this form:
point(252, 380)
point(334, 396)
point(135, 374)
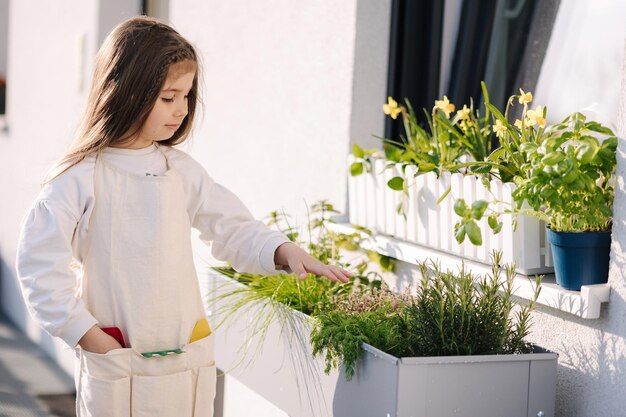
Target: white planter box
point(485, 386)
point(481, 386)
point(284, 373)
point(432, 225)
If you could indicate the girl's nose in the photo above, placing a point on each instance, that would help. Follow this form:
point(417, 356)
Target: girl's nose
point(181, 110)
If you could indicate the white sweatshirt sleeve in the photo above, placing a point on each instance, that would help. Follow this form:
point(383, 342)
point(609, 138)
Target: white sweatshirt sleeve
point(44, 255)
point(236, 237)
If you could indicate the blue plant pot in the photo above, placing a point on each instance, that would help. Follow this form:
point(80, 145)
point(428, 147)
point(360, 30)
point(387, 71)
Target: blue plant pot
point(580, 258)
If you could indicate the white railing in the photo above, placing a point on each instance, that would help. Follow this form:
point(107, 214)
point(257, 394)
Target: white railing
point(373, 205)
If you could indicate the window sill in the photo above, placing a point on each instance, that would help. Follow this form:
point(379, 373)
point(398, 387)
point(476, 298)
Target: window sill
point(584, 304)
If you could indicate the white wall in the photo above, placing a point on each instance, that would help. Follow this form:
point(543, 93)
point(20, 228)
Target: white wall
point(584, 70)
point(283, 97)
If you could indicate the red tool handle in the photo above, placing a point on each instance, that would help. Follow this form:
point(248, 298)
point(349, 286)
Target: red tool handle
point(116, 333)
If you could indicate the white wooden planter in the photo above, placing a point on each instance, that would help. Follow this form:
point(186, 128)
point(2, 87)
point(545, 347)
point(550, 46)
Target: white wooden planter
point(444, 386)
point(373, 205)
point(286, 375)
point(485, 386)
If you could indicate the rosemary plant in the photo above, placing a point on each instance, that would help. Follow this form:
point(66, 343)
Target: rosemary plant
point(451, 314)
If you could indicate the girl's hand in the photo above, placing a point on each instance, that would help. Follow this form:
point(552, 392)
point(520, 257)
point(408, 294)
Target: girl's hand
point(302, 263)
point(97, 341)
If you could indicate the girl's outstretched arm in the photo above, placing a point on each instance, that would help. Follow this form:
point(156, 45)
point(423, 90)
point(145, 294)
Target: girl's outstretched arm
point(301, 263)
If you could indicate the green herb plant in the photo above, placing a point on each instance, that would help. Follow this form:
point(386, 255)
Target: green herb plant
point(263, 300)
point(450, 314)
point(272, 298)
point(570, 177)
point(379, 319)
point(564, 173)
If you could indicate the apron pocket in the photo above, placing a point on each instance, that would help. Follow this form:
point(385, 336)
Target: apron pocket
point(200, 353)
point(115, 364)
point(101, 398)
point(205, 391)
point(167, 395)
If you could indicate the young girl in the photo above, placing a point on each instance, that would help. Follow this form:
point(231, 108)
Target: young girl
point(122, 202)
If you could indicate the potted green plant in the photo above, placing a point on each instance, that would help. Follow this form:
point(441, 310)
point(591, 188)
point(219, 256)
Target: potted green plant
point(481, 323)
point(570, 183)
point(455, 347)
point(564, 176)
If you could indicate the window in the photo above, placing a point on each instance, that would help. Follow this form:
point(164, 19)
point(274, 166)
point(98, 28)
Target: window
point(489, 41)
point(414, 55)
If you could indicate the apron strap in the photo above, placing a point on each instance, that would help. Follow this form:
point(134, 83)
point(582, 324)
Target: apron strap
point(96, 173)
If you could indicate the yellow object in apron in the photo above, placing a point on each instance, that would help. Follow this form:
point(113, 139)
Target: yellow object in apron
point(200, 331)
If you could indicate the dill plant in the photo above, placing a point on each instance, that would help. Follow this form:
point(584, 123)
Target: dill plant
point(265, 299)
point(379, 318)
point(284, 299)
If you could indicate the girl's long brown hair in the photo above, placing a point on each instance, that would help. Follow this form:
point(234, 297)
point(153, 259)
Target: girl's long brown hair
point(130, 70)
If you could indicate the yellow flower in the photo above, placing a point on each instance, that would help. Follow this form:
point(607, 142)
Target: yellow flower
point(464, 113)
point(499, 129)
point(391, 108)
point(525, 98)
point(518, 123)
point(535, 117)
point(445, 106)
point(468, 124)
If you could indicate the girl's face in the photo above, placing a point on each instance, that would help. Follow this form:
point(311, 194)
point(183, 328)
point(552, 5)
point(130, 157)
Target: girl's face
point(170, 108)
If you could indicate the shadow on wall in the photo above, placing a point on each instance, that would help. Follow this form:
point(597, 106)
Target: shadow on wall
point(598, 361)
point(603, 366)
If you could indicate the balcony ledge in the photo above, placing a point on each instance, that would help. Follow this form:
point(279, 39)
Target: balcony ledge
point(584, 304)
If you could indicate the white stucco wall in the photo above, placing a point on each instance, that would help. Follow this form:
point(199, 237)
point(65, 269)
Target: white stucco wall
point(283, 98)
point(584, 70)
point(592, 353)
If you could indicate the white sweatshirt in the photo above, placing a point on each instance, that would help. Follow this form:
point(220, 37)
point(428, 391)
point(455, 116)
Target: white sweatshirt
point(54, 232)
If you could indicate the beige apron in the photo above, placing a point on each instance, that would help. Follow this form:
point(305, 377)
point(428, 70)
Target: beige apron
point(138, 275)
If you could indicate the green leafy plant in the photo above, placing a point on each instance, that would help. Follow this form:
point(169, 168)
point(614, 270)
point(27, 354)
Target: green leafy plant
point(451, 314)
point(364, 160)
point(272, 297)
point(462, 314)
point(564, 173)
point(569, 179)
point(262, 300)
point(378, 318)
